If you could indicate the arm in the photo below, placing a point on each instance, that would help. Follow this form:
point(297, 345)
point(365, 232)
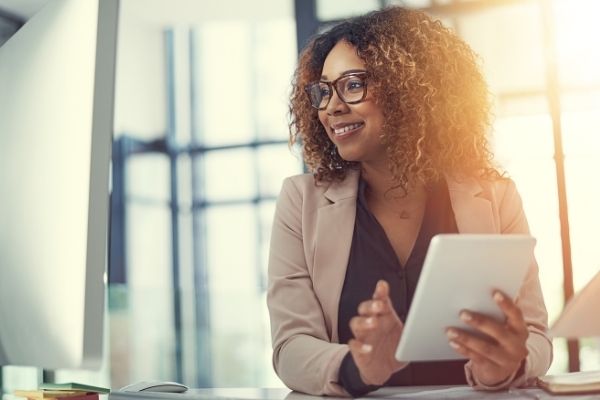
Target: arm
point(529, 300)
point(303, 356)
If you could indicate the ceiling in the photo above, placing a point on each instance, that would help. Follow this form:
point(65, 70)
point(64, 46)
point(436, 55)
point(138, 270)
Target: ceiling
point(168, 12)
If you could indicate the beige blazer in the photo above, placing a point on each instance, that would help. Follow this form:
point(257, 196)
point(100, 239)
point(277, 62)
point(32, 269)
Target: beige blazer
point(310, 246)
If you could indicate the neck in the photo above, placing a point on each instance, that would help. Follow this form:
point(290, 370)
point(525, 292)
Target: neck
point(380, 181)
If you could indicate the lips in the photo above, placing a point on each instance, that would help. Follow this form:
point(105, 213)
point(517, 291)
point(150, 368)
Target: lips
point(344, 129)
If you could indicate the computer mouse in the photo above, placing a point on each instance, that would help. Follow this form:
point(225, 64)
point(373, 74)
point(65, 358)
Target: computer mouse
point(155, 386)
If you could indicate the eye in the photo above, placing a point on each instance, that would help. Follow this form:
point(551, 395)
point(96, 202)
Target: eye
point(354, 85)
point(324, 91)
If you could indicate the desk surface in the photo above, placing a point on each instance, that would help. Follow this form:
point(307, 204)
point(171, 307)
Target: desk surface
point(409, 392)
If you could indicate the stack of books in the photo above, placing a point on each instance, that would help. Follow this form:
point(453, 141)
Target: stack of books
point(63, 391)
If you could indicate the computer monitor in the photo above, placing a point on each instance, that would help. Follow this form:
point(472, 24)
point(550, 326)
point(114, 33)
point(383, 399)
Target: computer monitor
point(57, 79)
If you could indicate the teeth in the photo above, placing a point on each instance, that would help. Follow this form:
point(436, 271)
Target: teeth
point(346, 128)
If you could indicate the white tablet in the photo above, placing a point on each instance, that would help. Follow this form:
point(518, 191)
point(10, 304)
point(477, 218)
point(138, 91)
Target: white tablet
point(461, 271)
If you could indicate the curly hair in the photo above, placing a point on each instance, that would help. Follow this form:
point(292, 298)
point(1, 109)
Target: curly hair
point(427, 81)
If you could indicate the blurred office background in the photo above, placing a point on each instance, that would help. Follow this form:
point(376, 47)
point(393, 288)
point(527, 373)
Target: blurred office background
point(201, 149)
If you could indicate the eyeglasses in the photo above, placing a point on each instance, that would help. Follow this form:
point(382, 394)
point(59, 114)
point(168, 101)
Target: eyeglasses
point(351, 88)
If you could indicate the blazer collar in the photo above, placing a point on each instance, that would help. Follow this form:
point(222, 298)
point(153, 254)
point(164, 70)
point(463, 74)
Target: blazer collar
point(345, 189)
point(471, 203)
point(334, 231)
point(472, 206)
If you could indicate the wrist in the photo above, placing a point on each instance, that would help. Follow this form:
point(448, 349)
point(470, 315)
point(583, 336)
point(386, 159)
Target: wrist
point(385, 375)
point(497, 382)
point(492, 381)
point(351, 379)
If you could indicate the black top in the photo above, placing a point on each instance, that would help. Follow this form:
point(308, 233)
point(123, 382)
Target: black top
point(372, 258)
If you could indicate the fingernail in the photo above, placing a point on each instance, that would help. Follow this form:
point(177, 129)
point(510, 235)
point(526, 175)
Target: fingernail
point(453, 344)
point(366, 348)
point(498, 297)
point(465, 316)
point(369, 321)
point(375, 306)
point(451, 334)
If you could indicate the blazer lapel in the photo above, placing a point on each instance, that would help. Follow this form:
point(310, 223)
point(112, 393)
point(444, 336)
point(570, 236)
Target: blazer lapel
point(472, 210)
point(333, 239)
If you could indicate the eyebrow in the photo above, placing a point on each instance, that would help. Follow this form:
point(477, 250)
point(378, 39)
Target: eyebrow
point(350, 71)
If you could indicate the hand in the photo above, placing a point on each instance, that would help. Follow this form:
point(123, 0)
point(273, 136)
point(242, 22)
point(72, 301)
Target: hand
point(500, 353)
point(377, 330)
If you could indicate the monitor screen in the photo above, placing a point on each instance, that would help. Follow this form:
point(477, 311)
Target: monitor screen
point(57, 77)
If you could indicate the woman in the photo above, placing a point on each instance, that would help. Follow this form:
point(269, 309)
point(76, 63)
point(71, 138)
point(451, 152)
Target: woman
point(392, 113)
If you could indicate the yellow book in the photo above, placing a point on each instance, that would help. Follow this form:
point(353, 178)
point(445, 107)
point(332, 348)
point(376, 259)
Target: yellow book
point(571, 383)
point(47, 394)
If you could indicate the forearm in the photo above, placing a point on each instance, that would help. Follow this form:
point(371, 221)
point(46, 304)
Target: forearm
point(310, 365)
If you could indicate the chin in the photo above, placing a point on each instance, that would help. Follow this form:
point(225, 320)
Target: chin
point(350, 156)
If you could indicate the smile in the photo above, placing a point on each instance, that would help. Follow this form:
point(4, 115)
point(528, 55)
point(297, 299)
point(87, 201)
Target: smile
point(347, 129)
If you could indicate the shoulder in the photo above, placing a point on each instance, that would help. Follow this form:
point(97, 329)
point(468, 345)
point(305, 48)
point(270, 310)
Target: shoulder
point(509, 205)
point(300, 194)
point(502, 188)
point(505, 193)
point(305, 188)
point(497, 190)
point(301, 187)
point(300, 183)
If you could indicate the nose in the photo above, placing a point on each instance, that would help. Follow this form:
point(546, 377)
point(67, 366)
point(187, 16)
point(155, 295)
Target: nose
point(336, 106)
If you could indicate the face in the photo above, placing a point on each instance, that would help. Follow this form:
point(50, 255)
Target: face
point(353, 128)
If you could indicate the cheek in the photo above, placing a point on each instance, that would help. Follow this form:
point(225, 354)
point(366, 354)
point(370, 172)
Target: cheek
point(373, 114)
point(377, 117)
point(323, 119)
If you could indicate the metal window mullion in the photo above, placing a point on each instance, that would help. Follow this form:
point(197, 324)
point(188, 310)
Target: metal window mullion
point(117, 271)
point(307, 23)
point(201, 149)
point(260, 276)
point(200, 270)
point(174, 205)
point(553, 89)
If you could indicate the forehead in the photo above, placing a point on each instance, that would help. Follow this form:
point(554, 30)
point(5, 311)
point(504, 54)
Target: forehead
point(340, 59)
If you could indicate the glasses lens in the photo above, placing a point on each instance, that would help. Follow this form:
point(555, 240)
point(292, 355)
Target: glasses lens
point(351, 88)
point(319, 94)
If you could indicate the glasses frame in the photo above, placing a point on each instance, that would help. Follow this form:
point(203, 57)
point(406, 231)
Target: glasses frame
point(333, 86)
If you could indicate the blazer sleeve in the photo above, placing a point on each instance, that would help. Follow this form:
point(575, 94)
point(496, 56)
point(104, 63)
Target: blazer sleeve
point(303, 356)
point(529, 299)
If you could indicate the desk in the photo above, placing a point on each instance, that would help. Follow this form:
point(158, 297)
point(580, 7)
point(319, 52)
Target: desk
point(409, 392)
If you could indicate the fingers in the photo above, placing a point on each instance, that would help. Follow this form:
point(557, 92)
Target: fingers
point(362, 327)
point(478, 348)
point(382, 290)
point(373, 307)
point(376, 317)
point(514, 329)
point(511, 340)
point(514, 315)
point(484, 324)
point(497, 332)
point(503, 344)
point(359, 349)
point(471, 354)
point(380, 303)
